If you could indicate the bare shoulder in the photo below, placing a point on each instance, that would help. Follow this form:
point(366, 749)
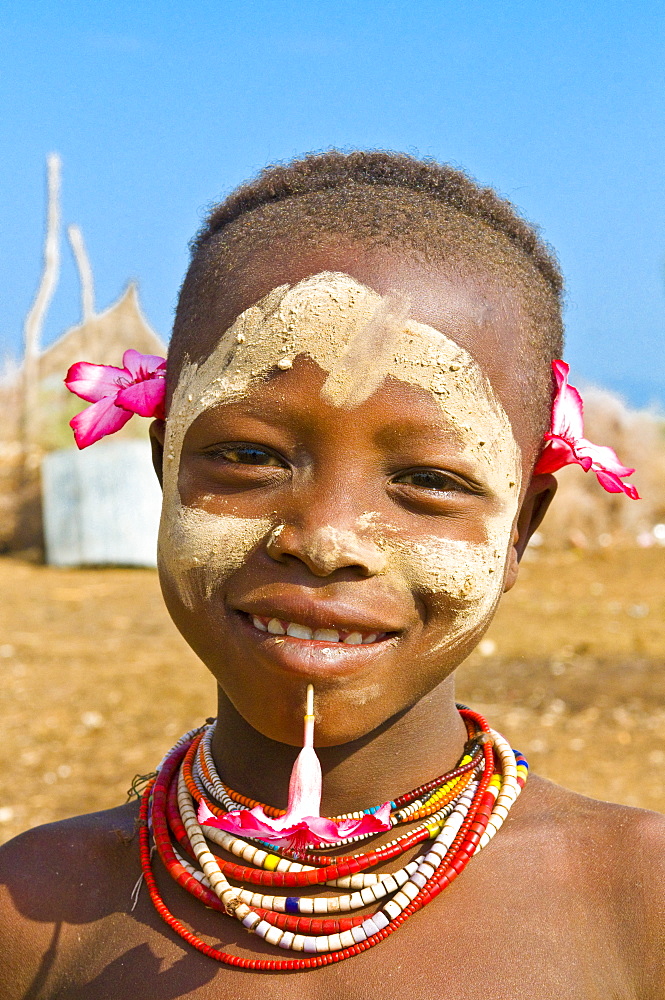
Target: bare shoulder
point(600, 825)
point(615, 855)
point(42, 863)
point(55, 881)
point(636, 873)
point(600, 833)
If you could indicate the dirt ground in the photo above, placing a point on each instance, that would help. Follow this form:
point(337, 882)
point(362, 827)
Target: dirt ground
point(97, 683)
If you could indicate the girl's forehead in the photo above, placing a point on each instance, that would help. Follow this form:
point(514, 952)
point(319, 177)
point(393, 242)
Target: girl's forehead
point(352, 332)
point(478, 310)
point(358, 338)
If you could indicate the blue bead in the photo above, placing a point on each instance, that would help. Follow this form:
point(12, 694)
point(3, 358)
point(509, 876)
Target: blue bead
point(292, 904)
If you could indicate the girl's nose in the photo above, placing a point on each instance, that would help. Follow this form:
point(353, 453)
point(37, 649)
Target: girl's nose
point(325, 548)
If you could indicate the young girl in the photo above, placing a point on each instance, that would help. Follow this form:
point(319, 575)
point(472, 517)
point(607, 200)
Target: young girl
point(353, 461)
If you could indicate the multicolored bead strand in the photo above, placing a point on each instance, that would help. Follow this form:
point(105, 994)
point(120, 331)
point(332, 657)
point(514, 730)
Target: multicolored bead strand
point(458, 813)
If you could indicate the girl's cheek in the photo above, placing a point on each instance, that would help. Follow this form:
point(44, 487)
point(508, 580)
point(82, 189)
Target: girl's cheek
point(197, 551)
point(459, 582)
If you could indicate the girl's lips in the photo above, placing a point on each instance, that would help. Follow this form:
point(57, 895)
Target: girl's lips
point(315, 656)
point(286, 607)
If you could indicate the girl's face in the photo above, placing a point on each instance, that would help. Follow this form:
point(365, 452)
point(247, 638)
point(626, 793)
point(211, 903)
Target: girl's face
point(341, 490)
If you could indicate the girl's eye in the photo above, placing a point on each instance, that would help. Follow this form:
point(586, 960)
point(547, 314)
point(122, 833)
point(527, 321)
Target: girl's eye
point(246, 454)
point(431, 479)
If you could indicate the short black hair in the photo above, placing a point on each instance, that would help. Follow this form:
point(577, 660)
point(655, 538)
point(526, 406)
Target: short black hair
point(385, 199)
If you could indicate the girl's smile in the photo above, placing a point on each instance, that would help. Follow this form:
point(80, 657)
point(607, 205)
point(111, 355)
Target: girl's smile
point(319, 652)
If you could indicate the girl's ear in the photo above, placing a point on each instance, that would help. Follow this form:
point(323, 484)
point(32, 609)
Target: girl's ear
point(157, 432)
point(538, 497)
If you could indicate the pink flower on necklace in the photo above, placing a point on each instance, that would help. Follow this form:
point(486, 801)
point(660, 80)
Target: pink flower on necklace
point(302, 826)
point(566, 445)
point(116, 394)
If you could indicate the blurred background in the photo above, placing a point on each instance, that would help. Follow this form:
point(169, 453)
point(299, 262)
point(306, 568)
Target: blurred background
point(121, 124)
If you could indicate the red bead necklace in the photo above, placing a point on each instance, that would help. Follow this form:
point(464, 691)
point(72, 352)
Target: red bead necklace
point(160, 806)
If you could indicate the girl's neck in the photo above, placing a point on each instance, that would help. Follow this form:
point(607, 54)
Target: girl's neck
point(406, 751)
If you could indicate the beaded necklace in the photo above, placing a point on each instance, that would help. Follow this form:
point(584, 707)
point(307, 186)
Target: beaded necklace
point(457, 813)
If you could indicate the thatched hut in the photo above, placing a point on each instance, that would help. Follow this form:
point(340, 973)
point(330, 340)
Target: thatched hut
point(101, 338)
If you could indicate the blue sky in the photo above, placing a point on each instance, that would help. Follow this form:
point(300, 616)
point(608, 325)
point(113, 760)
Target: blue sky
point(158, 110)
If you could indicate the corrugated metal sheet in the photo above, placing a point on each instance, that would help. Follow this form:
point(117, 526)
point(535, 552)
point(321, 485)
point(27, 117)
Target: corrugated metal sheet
point(101, 505)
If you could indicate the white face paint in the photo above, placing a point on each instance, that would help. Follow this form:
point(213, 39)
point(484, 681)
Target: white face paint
point(359, 338)
point(207, 548)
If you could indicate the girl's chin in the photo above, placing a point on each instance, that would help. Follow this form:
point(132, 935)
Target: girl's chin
point(344, 712)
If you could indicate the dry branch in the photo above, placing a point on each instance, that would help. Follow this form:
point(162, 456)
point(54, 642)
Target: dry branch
point(85, 272)
point(34, 321)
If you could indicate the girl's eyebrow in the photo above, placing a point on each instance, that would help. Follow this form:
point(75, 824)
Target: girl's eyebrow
point(402, 427)
point(394, 430)
point(266, 408)
point(402, 431)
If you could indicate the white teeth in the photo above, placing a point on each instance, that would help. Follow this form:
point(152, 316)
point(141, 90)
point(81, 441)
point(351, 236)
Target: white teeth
point(298, 631)
point(354, 639)
point(331, 634)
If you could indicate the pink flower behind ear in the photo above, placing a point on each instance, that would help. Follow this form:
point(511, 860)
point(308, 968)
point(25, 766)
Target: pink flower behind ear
point(116, 393)
point(565, 443)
